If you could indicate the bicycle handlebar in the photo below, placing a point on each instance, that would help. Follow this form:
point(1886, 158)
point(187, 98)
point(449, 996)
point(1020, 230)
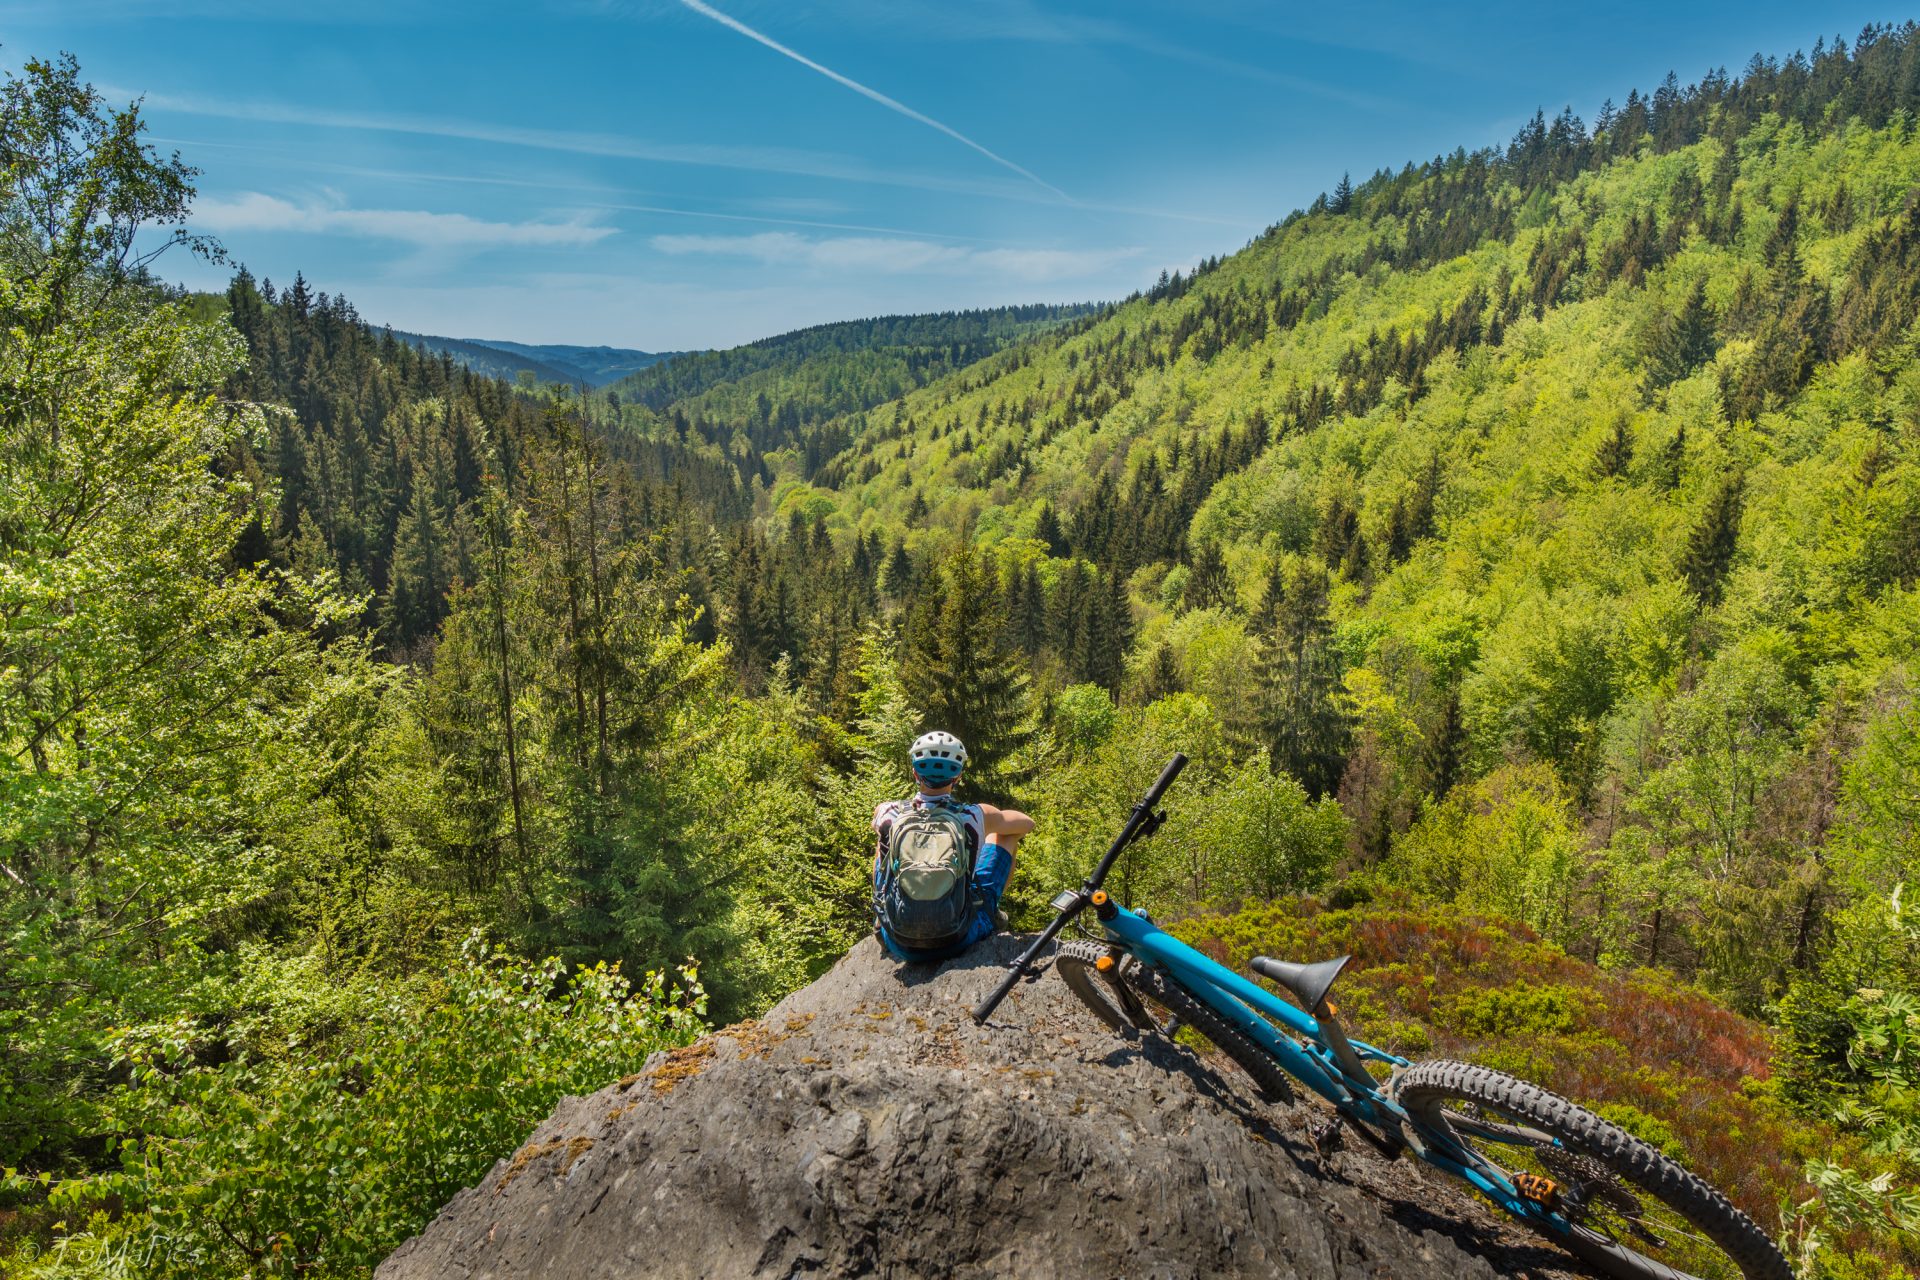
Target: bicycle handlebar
point(1141, 822)
point(1165, 780)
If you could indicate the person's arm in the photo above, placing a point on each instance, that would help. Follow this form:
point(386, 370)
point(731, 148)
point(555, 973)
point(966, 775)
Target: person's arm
point(1005, 822)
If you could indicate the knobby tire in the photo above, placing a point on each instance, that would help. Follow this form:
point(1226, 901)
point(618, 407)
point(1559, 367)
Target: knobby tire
point(1078, 963)
point(1428, 1090)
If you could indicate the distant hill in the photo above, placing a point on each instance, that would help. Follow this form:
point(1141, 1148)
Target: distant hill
point(778, 391)
point(595, 366)
point(599, 365)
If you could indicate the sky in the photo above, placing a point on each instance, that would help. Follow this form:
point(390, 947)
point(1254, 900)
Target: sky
point(680, 174)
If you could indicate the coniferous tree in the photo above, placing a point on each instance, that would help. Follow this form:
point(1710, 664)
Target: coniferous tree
point(1109, 631)
point(1162, 678)
point(1444, 755)
point(1048, 530)
point(1680, 342)
point(421, 575)
point(1340, 542)
point(1670, 466)
point(1711, 544)
point(961, 669)
point(1029, 610)
point(897, 579)
point(1208, 584)
point(1298, 675)
point(1067, 630)
point(1399, 531)
point(1616, 451)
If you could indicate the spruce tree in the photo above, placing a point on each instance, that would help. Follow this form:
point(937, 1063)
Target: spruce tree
point(1109, 631)
point(1715, 536)
point(1162, 676)
point(1297, 673)
point(1680, 342)
point(1208, 585)
point(1671, 465)
point(1399, 531)
point(1444, 755)
point(896, 580)
point(1048, 530)
point(1616, 451)
point(962, 670)
point(1067, 618)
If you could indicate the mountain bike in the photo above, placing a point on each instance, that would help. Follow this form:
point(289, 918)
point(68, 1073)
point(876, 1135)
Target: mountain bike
point(1586, 1184)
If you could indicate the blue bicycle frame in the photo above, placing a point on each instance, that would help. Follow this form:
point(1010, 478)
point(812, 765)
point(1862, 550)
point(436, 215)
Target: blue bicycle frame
point(1310, 1058)
point(1313, 1058)
point(1306, 1041)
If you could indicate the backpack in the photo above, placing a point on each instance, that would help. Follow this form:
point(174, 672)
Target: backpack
point(923, 885)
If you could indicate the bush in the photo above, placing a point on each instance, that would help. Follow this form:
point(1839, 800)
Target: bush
point(1657, 1057)
point(323, 1167)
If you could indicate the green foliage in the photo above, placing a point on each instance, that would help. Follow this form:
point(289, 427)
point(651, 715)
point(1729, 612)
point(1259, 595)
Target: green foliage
point(158, 710)
point(1653, 1132)
point(1532, 530)
point(1517, 1010)
point(322, 1166)
point(961, 669)
point(1236, 830)
point(1507, 843)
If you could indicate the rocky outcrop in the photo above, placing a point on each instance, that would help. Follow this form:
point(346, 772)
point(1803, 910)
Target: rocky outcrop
point(866, 1126)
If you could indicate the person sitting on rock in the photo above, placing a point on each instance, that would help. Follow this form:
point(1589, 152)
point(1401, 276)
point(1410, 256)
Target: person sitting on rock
point(941, 866)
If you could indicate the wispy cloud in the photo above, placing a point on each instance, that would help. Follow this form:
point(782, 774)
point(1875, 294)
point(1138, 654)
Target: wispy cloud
point(896, 256)
point(810, 164)
point(891, 104)
point(254, 211)
point(1020, 20)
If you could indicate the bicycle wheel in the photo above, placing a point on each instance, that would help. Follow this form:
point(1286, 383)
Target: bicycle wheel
point(1635, 1214)
point(1079, 966)
point(1120, 1008)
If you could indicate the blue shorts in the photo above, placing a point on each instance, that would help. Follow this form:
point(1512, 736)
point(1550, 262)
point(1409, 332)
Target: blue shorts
point(990, 875)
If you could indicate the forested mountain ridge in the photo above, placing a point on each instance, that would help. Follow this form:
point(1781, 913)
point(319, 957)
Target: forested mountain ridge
point(1552, 508)
point(568, 365)
point(1509, 462)
point(1529, 530)
point(771, 389)
point(491, 362)
point(376, 469)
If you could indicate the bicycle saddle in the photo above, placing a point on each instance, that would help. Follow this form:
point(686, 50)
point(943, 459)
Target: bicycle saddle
point(1308, 982)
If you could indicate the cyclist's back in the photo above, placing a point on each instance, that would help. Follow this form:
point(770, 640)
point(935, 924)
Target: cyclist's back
point(940, 865)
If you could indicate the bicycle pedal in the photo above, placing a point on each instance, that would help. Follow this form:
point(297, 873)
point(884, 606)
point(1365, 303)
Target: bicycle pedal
point(1544, 1192)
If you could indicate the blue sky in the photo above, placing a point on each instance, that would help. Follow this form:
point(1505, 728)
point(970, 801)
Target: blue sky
point(670, 174)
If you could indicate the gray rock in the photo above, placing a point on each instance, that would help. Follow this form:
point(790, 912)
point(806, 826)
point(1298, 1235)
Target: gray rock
point(866, 1127)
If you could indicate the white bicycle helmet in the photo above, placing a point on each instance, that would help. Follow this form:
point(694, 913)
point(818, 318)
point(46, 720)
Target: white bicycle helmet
point(938, 757)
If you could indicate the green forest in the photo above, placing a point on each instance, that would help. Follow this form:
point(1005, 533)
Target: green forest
point(1524, 545)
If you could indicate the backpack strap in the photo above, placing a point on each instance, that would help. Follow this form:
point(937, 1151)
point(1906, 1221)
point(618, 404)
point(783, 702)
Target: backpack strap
point(974, 838)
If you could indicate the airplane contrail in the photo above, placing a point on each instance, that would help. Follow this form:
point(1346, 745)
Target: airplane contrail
point(708, 11)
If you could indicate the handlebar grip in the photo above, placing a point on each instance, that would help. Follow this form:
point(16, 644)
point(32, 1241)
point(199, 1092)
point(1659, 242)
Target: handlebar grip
point(1165, 780)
